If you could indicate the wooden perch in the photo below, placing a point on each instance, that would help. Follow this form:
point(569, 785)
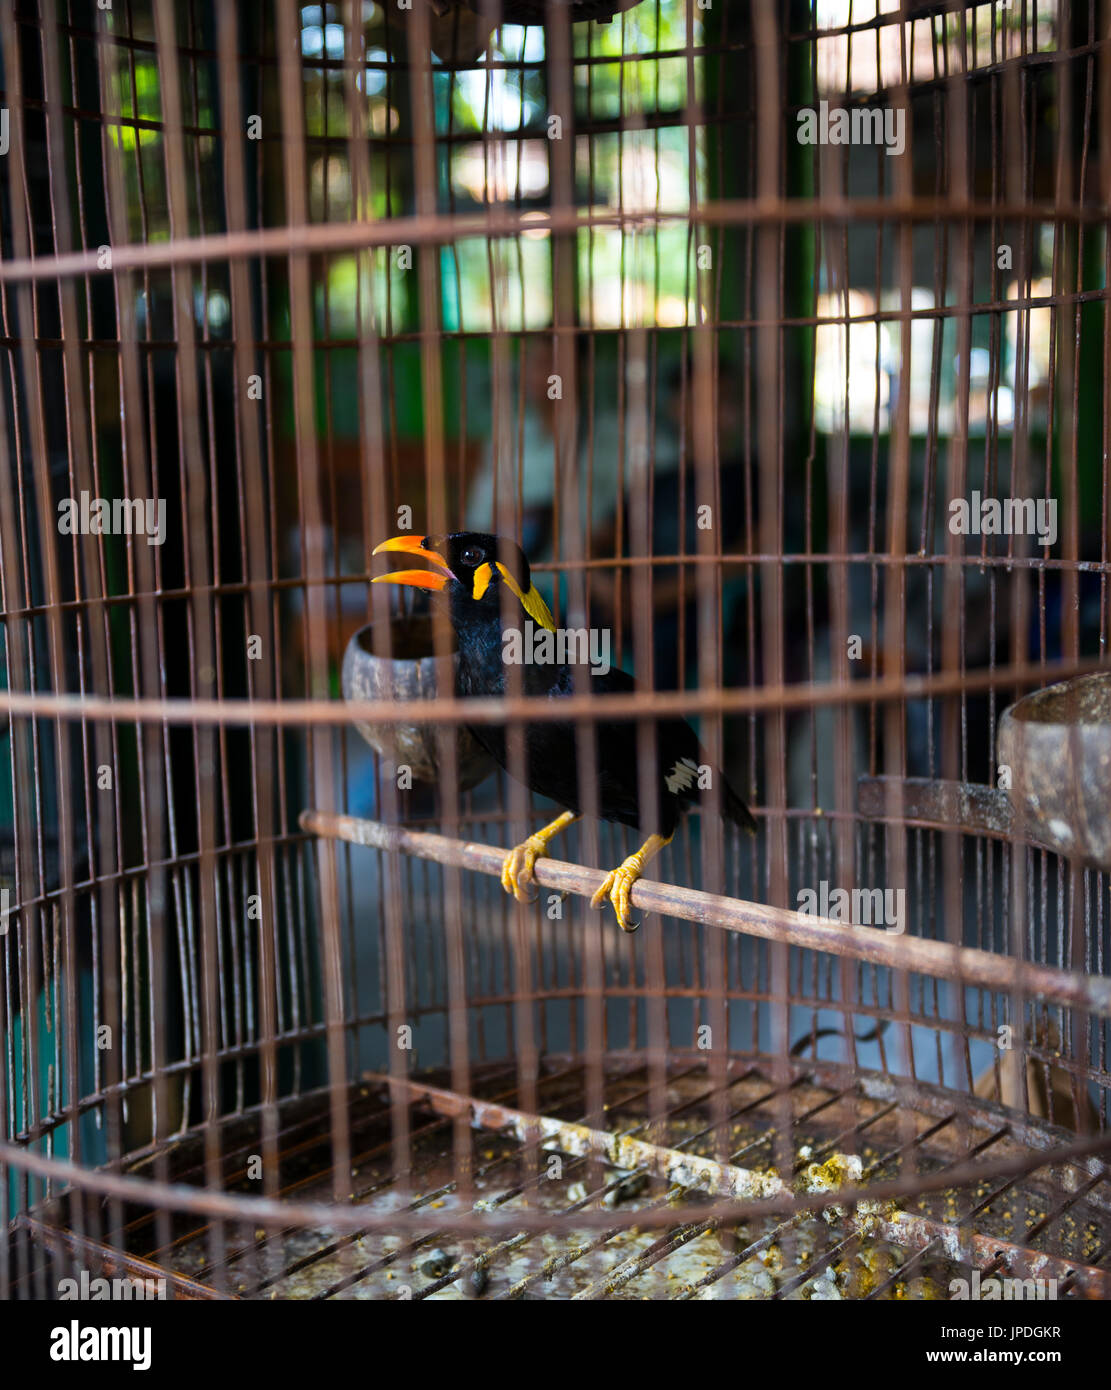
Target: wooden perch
point(875, 945)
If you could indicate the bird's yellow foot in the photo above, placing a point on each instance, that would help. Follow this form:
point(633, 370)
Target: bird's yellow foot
point(617, 886)
point(517, 867)
point(618, 883)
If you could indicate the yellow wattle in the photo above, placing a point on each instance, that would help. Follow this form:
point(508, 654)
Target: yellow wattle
point(532, 602)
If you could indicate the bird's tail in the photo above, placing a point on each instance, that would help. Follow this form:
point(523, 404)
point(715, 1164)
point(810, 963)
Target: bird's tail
point(735, 810)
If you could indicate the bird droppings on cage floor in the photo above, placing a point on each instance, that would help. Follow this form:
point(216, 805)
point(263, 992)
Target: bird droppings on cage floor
point(449, 1273)
point(1057, 1218)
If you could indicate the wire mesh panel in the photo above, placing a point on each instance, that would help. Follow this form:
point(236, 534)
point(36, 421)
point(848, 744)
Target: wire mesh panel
point(769, 340)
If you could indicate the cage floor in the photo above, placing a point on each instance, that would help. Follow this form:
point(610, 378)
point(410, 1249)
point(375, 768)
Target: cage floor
point(1013, 1210)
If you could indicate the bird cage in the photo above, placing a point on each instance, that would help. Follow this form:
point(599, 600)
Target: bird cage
point(775, 336)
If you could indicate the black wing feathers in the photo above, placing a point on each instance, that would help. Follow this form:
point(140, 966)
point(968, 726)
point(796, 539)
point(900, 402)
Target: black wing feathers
point(552, 757)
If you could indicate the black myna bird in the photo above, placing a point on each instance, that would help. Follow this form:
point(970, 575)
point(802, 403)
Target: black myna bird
point(473, 572)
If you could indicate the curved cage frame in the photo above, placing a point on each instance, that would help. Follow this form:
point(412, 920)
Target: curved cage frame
point(276, 281)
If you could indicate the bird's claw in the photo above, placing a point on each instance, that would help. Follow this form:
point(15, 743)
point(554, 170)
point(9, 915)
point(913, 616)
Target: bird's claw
point(517, 868)
point(617, 886)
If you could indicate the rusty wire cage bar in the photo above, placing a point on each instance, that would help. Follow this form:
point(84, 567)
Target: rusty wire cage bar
point(284, 279)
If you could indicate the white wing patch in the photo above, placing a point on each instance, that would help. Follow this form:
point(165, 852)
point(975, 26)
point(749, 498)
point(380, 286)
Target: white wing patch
point(683, 774)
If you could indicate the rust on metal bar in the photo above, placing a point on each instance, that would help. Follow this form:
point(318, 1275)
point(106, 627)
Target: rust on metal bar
point(939, 804)
point(968, 964)
point(684, 380)
point(299, 713)
point(266, 1211)
point(621, 1151)
point(967, 806)
point(727, 1180)
point(117, 1262)
point(969, 1247)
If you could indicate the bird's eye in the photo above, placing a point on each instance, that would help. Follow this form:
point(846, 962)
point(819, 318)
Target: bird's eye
point(472, 555)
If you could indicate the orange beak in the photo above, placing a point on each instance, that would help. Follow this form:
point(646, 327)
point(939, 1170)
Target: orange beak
point(417, 579)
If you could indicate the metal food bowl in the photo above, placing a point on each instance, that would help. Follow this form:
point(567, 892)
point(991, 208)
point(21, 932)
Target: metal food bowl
point(1057, 743)
point(411, 673)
